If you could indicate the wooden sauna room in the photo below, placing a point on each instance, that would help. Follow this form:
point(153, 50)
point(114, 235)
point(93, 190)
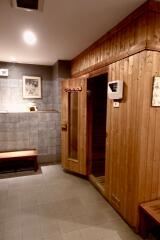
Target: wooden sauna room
point(116, 145)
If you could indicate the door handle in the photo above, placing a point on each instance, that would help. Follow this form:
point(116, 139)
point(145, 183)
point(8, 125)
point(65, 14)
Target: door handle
point(64, 126)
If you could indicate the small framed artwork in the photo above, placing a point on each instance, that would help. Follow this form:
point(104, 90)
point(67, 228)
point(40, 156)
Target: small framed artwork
point(156, 92)
point(32, 87)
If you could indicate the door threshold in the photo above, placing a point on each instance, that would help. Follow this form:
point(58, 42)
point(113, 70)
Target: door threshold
point(99, 182)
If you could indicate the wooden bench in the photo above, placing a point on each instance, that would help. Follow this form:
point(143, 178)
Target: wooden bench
point(26, 155)
point(149, 217)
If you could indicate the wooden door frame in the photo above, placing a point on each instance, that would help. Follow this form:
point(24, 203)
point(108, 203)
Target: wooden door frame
point(95, 73)
point(98, 72)
point(68, 163)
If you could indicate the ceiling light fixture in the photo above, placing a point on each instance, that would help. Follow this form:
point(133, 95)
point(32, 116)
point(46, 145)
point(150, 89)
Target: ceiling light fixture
point(32, 5)
point(29, 37)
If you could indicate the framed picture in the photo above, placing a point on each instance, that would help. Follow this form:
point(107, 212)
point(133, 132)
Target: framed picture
point(156, 92)
point(32, 87)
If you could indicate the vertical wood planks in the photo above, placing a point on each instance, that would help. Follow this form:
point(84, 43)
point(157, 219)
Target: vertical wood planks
point(129, 34)
point(121, 128)
point(79, 165)
point(150, 135)
point(132, 156)
point(139, 31)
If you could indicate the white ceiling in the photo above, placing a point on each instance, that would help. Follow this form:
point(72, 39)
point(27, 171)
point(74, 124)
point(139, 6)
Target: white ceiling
point(64, 28)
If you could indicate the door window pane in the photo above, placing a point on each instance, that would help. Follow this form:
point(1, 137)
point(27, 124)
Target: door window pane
point(73, 124)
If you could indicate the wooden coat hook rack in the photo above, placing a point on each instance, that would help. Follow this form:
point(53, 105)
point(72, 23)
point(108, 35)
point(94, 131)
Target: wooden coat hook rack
point(76, 89)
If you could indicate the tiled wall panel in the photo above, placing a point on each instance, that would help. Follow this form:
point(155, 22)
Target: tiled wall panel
point(37, 130)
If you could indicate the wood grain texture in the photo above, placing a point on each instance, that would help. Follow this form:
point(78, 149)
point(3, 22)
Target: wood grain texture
point(26, 155)
point(16, 154)
point(126, 38)
point(139, 31)
point(76, 165)
point(149, 188)
point(133, 136)
point(149, 217)
point(122, 137)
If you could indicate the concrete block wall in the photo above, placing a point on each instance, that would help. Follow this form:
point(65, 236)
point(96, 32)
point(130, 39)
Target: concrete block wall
point(61, 71)
point(32, 130)
point(28, 130)
point(11, 98)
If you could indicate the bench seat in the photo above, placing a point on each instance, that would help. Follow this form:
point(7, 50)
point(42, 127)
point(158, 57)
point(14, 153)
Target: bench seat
point(149, 216)
point(25, 155)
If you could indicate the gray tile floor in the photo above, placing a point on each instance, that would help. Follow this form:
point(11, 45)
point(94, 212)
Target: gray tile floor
point(54, 205)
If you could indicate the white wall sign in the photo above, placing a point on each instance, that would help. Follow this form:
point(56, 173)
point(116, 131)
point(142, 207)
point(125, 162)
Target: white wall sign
point(156, 92)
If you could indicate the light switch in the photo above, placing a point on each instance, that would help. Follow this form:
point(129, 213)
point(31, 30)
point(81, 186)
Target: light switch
point(116, 104)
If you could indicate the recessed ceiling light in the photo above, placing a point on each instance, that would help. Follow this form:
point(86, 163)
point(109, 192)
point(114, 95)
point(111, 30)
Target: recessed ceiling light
point(29, 37)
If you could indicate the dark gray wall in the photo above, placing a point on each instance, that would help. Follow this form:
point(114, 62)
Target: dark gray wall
point(11, 86)
point(40, 130)
point(61, 71)
point(17, 70)
point(28, 130)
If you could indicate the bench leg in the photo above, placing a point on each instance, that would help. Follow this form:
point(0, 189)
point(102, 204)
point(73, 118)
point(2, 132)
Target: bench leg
point(144, 225)
point(35, 165)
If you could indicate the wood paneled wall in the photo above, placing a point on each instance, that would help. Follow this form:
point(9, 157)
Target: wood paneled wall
point(139, 31)
point(122, 138)
point(133, 153)
point(149, 133)
point(153, 32)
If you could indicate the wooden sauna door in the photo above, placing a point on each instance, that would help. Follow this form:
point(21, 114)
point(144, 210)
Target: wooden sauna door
point(73, 125)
